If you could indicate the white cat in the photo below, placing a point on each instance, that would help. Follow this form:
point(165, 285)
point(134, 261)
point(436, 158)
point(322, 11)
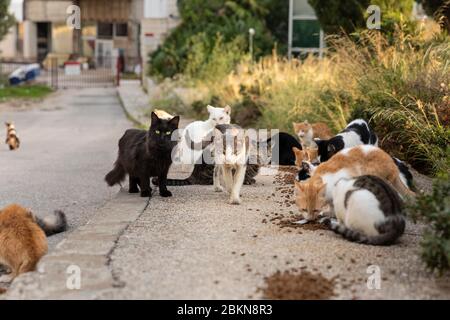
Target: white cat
point(231, 158)
point(194, 137)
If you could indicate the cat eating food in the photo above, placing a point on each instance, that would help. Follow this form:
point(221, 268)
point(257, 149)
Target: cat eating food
point(368, 211)
point(356, 133)
point(313, 193)
point(231, 156)
point(144, 154)
point(11, 136)
point(308, 132)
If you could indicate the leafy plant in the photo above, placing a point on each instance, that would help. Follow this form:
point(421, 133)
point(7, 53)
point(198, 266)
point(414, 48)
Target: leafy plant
point(434, 210)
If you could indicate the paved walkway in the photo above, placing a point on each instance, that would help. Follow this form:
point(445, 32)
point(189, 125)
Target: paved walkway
point(197, 246)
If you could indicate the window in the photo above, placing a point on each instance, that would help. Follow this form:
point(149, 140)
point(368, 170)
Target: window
point(155, 9)
point(121, 30)
point(105, 30)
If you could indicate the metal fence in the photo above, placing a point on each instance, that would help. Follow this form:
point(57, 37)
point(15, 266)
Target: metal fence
point(95, 72)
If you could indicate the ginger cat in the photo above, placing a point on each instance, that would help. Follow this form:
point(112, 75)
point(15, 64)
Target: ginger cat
point(307, 132)
point(309, 155)
point(315, 192)
point(23, 239)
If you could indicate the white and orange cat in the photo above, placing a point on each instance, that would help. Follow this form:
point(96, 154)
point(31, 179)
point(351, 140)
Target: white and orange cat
point(315, 193)
point(307, 132)
point(308, 155)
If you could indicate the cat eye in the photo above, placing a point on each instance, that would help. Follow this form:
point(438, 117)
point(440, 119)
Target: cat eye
point(168, 133)
point(157, 131)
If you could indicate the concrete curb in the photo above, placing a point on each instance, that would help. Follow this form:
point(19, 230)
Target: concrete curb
point(86, 251)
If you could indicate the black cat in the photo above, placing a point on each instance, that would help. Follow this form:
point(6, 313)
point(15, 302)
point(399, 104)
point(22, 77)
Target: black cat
point(144, 154)
point(284, 143)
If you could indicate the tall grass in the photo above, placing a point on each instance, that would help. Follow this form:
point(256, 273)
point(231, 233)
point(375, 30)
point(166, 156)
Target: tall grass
point(402, 89)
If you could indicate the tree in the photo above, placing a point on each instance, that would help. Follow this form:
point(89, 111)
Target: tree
point(204, 22)
point(6, 19)
point(336, 16)
point(440, 10)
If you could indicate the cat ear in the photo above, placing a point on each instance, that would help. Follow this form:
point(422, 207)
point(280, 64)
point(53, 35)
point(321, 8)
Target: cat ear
point(227, 109)
point(210, 108)
point(295, 125)
point(296, 150)
point(154, 118)
point(306, 121)
point(174, 122)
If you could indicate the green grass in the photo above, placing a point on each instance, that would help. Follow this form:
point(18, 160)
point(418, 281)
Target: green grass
point(24, 92)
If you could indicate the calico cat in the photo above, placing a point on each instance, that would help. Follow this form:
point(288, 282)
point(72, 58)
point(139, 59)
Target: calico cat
point(308, 132)
point(23, 238)
point(11, 136)
point(144, 154)
point(283, 144)
point(368, 211)
point(315, 192)
point(196, 135)
point(231, 157)
point(356, 133)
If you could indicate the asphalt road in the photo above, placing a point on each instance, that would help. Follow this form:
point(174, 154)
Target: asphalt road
point(68, 144)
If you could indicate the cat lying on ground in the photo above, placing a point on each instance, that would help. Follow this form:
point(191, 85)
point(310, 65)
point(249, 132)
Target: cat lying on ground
point(368, 211)
point(316, 192)
point(11, 136)
point(307, 132)
point(144, 154)
point(356, 133)
point(23, 238)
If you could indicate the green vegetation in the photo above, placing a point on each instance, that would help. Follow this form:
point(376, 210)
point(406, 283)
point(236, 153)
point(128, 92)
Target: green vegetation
point(337, 16)
point(434, 210)
point(207, 23)
point(6, 19)
point(24, 92)
point(440, 10)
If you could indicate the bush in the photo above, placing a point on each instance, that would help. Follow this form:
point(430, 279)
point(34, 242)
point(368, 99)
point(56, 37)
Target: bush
point(203, 21)
point(403, 89)
point(434, 209)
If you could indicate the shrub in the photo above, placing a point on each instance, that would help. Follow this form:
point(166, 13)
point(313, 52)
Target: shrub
point(434, 210)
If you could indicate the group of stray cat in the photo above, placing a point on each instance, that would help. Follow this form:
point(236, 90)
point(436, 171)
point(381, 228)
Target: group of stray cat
point(358, 182)
point(361, 185)
point(147, 154)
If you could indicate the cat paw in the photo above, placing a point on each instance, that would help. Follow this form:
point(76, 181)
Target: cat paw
point(302, 221)
point(133, 190)
point(218, 189)
point(235, 201)
point(165, 193)
point(146, 193)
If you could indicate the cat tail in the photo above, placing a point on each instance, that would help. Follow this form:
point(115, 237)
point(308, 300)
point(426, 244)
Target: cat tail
point(116, 175)
point(390, 230)
point(174, 182)
point(52, 224)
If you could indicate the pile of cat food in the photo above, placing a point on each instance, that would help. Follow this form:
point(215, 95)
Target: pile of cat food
point(294, 285)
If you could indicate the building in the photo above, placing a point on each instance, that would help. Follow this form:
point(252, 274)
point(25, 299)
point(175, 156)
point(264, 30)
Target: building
point(132, 28)
point(305, 33)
